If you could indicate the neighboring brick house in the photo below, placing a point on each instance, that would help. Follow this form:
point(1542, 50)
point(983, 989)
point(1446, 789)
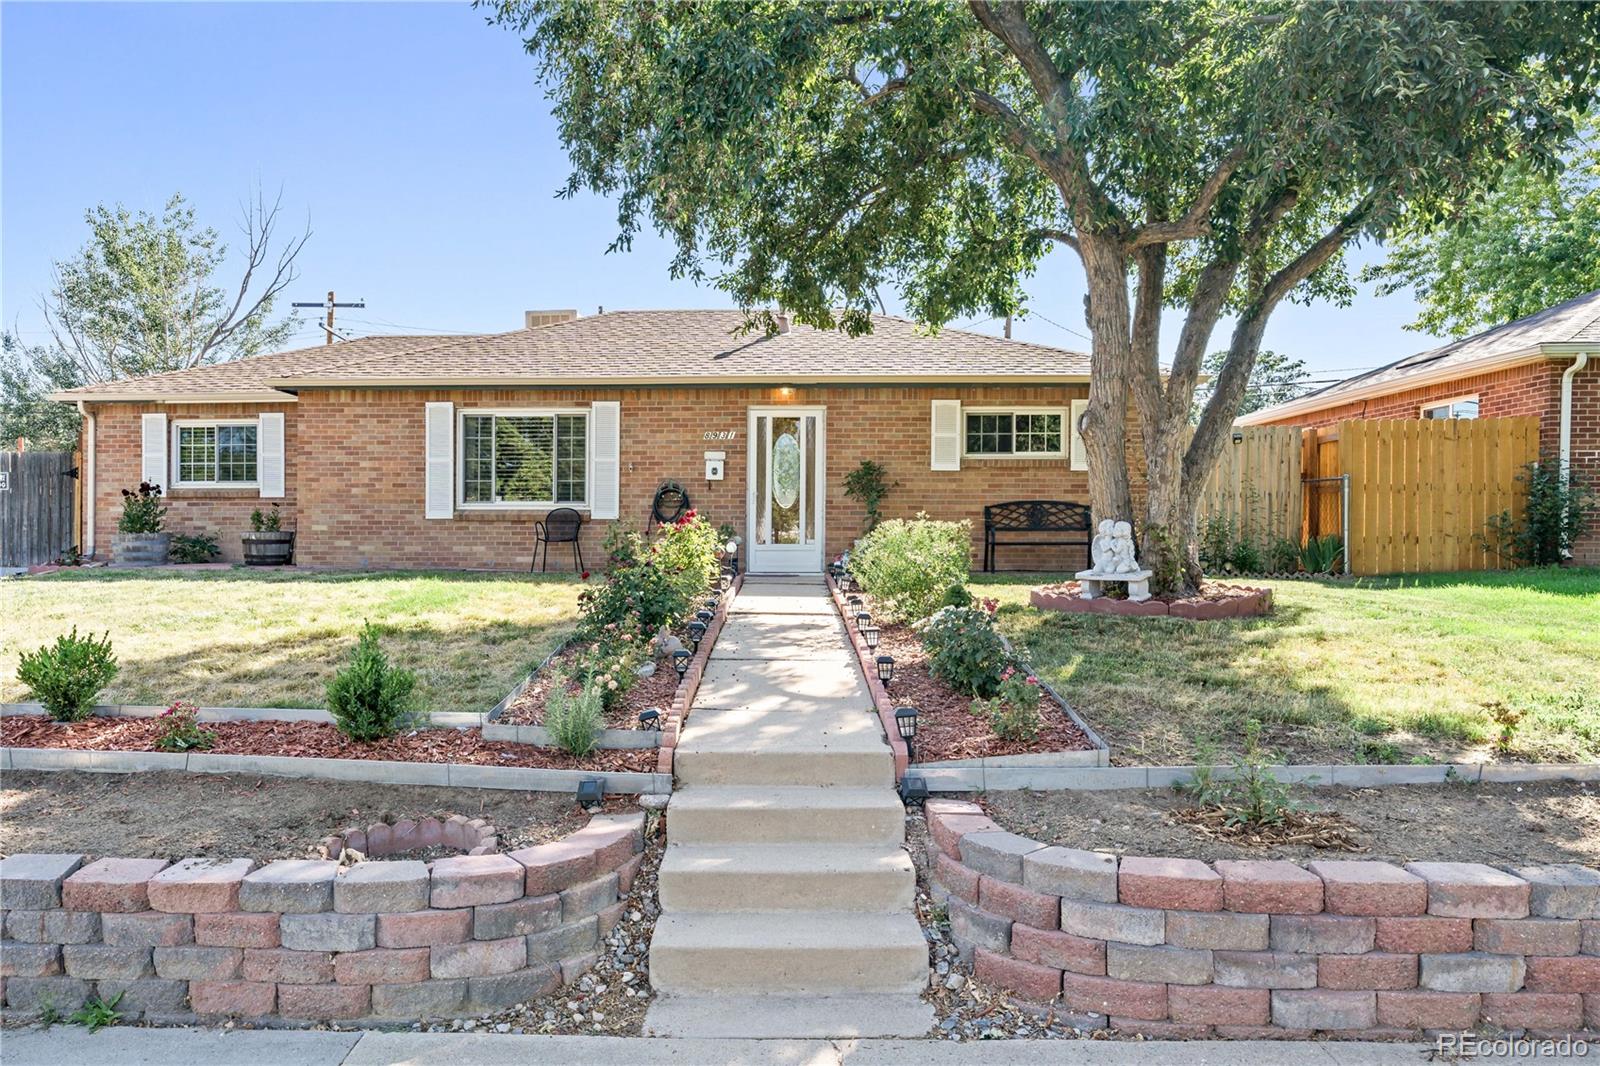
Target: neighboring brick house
point(1546, 365)
point(444, 451)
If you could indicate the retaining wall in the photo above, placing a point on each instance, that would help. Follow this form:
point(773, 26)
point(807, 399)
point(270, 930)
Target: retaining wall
point(304, 940)
point(1269, 949)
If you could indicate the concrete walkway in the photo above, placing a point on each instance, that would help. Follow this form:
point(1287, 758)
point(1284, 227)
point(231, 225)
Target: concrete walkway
point(785, 889)
point(72, 1046)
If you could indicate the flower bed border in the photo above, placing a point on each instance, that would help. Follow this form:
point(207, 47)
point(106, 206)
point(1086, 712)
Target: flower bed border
point(1256, 605)
point(1353, 949)
point(306, 941)
point(866, 662)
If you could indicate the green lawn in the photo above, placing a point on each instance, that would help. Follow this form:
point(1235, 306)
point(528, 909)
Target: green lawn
point(1375, 670)
point(259, 638)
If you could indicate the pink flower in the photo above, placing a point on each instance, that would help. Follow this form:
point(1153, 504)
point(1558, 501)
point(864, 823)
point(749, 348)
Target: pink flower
point(1033, 680)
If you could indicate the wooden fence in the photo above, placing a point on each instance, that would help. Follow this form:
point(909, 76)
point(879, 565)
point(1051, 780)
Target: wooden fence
point(1256, 484)
point(1422, 491)
point(38, 497)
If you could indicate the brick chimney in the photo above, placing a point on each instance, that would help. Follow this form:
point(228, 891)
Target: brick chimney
point(782, 319)
point(535, 319)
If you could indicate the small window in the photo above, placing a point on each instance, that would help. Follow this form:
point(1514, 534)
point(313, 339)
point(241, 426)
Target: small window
point(524, 459)
point(212, 454)
point(1465, 407)
point(1014, 433)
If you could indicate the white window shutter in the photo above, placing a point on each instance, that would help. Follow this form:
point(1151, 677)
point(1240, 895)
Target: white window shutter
point(1080, 454)
point(605, 459)
point(439, 477)
point(153, 462)
point(269, 455)
point(946, 435)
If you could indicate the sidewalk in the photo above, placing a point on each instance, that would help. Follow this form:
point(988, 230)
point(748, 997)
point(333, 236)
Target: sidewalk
point(72, 1046)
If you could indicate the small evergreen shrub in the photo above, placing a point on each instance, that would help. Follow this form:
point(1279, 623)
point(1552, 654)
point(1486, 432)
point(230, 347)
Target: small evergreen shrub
point(574, 718)
point(370, 699)
point(964, 650)
point(141, 510)
point(67, 675)
point(1556, 514)
point(908, 565)
point(193, 548)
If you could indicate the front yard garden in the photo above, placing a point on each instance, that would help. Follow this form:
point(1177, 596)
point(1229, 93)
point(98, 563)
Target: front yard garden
point(249, 638)
point(1470, 666)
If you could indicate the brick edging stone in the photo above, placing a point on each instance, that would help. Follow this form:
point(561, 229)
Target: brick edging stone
point(1269, 949)
point(307, 940)
point(1256, 604)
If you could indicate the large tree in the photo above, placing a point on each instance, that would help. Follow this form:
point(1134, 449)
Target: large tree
point(1530, 244)
point(1213, 156)
point(1275, 378)
point(146, 293)
point(28, 375)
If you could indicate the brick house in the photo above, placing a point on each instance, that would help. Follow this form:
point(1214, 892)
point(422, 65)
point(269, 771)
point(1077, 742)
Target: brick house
point(1546, 365)
point(444, 451)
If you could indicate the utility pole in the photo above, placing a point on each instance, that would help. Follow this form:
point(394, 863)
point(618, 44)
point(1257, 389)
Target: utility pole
point(330, 304)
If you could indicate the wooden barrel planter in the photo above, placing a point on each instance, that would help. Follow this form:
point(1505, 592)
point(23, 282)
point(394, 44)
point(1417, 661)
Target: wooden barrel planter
point(268, 549)
point(140, 549)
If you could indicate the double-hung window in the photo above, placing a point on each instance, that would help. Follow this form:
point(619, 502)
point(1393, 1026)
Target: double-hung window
point(215, 454)
point(524, 458)
point(1020, 432)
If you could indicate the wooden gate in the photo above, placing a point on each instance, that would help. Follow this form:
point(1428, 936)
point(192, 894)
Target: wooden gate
point(37, 495)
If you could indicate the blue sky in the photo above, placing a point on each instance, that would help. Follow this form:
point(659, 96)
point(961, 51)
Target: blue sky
point(418, 143)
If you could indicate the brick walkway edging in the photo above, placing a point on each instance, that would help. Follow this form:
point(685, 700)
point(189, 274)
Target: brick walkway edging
point(303, 939)
point(1268, 949)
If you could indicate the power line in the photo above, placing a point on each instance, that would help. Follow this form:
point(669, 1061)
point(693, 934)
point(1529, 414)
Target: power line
point(1058, 325)
point(330, 304)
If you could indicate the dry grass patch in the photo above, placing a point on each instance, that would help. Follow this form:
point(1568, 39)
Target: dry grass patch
point(254, 638)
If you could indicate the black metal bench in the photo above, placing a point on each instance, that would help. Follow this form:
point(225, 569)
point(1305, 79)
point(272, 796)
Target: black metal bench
point(1027, 517)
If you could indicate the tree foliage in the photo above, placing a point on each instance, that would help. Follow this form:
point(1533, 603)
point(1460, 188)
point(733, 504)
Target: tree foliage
point(1276, 378)
point(28, 375)
point(1216, 156)
point(142, 296)
point(1533, 242)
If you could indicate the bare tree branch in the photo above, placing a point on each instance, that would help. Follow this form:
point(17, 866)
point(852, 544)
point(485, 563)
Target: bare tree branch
point(258, 224)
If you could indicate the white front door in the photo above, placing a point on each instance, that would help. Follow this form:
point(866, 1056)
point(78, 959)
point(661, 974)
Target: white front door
point(784, 500)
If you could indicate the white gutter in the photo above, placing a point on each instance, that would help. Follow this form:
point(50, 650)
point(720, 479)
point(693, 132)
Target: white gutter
point(1579, 361)
point(87, 547)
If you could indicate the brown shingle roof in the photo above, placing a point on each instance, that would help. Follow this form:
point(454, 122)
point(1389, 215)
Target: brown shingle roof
point(1576, 321)
point(625, 347)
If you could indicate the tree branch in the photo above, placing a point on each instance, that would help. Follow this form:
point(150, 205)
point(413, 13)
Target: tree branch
point(1194, 222)
point(1066, 237)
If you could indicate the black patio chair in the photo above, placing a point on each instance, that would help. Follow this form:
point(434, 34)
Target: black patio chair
point(560, 526)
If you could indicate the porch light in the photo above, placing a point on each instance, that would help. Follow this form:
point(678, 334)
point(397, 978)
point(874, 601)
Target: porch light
point(705, 617)
point(680, 662)
point(886, 669)
point(863, 618)
point(871, 635)
point(697, 633)
point(590, 791)
point(913, 788)
point(905, 720)
point(650, 718)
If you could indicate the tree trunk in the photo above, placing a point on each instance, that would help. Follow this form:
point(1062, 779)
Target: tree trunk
point(1104, 424)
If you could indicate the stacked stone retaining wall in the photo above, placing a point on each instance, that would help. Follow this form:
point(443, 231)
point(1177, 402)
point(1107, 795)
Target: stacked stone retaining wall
point(309, 940)
point(1268, 949)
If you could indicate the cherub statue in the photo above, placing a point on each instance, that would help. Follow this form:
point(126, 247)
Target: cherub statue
point(1100, 557)
point(1122, 554)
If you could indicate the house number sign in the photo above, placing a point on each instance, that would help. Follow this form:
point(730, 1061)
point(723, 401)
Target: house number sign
point(721, 434)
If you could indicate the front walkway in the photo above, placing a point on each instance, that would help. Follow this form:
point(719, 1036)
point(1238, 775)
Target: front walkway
point(126, 1046)
point(786, 890)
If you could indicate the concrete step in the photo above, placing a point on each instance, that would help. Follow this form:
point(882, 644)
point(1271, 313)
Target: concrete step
point(817, 952)
point(734, 877)
point(784, 1017)
point(822, 749)
point(785, 815)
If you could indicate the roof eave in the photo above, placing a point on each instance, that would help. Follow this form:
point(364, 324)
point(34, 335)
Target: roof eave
point(248, 396)
point(1323, 400)
point(793, 380)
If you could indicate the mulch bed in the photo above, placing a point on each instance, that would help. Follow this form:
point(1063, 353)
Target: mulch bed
point(946, 727)
point(1215, 600)
point(313, 740)
point(1509, 824)
point(655, 691)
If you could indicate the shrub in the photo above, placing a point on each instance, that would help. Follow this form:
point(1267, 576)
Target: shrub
point(370, 699)
point(1251, 795)
point(180, 729)
point(964, 650)
point(67, 676)
point(266, 521)
point(573, 719)
point(909, 565)
point(869, 483)
point(1322, 554)
point(194, 548)
point(141, 510)
point(612, 665)
point(655, 581)
point(1014, 712)
point(1556, 514)
point(1283, 556)
point(956, 596)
